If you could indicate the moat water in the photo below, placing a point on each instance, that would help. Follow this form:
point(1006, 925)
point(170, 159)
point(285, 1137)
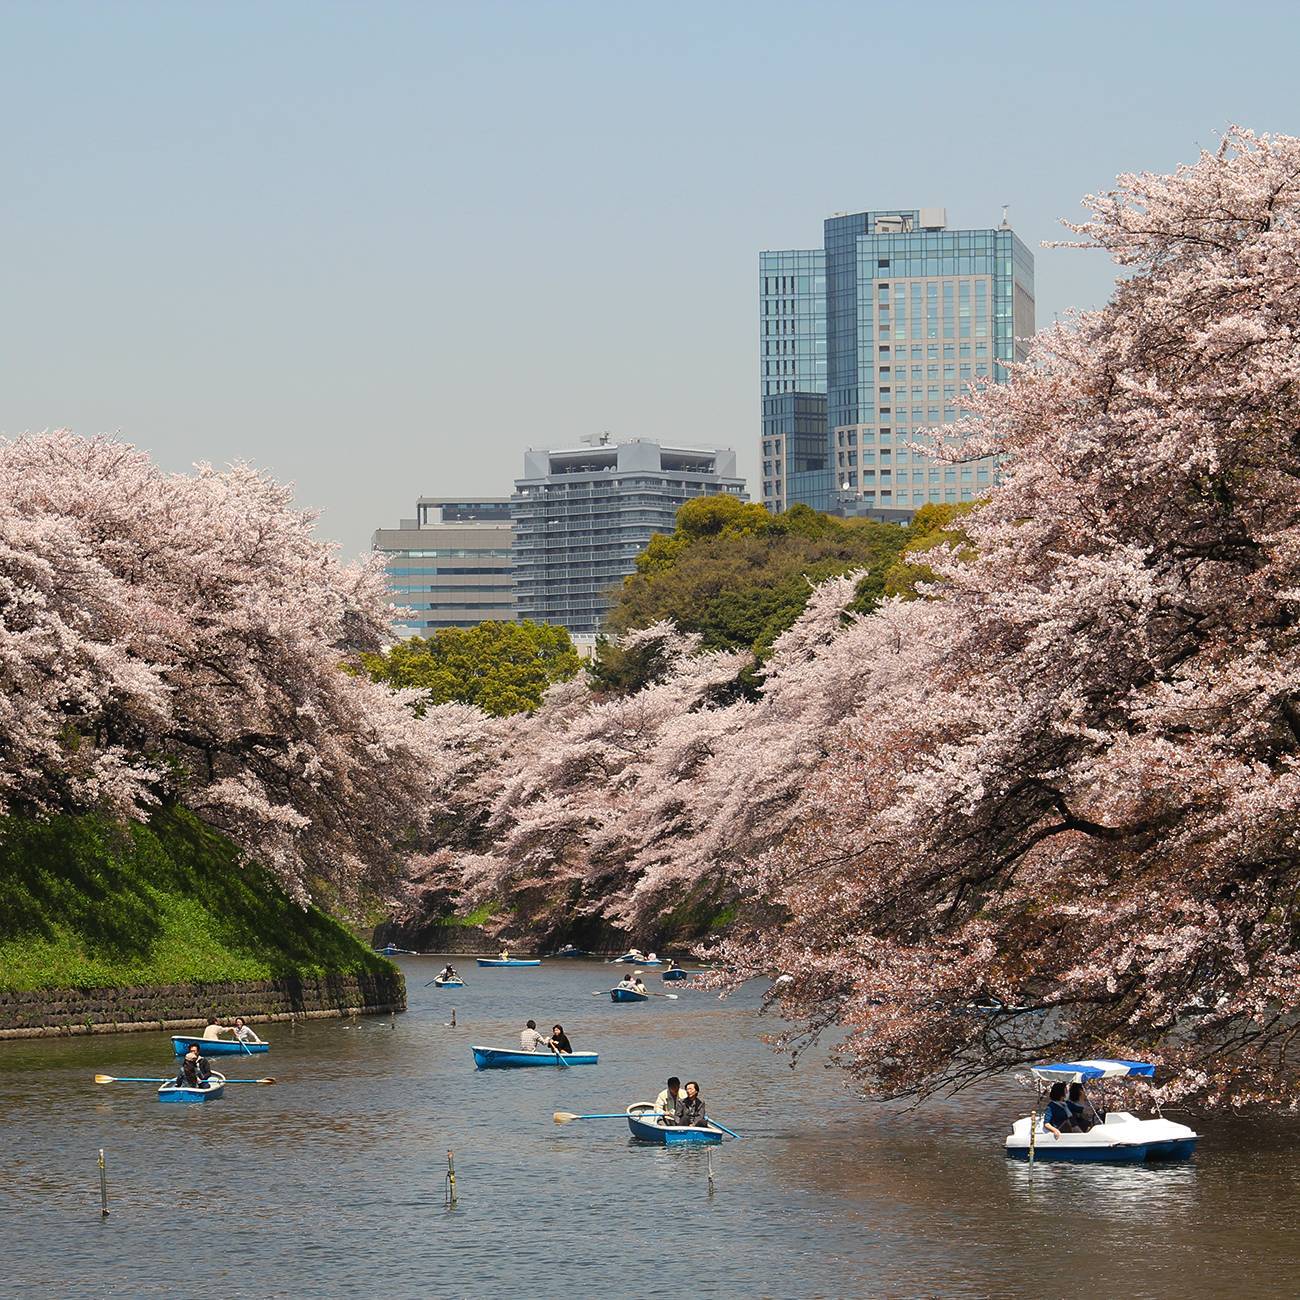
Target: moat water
point(332, 1182)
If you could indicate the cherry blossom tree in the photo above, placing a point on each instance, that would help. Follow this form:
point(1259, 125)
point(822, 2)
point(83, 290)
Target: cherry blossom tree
point(1052, 808)
point(179, 637)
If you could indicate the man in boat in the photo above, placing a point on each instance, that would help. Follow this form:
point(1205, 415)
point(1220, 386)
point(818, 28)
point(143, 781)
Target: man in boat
point(530, 1040)
point(448, 973)
point(666, 1101)
point(638, 984)
point(195, 1069)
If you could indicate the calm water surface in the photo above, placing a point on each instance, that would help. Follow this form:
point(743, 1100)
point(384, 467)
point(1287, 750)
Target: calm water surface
point(332, 1182)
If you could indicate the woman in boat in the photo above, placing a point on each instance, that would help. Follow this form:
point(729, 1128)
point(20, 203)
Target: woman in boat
point(1083, 1115)
point(627, 982)
point(690, 1108)
point(560, 1040)
point(242, 1032)
point(213, 1029)
point(672, 964)
point(638, 984)
point(1057, 1118)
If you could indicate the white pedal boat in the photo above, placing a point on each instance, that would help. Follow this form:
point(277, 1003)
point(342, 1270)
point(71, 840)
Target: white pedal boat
point(1120, 1137)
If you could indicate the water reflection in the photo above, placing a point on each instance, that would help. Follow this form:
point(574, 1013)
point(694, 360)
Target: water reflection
point(333, 1181)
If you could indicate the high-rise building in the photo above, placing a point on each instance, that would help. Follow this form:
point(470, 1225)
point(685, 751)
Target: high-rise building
point(881, 330)
point(582, 515)
point(450, 565)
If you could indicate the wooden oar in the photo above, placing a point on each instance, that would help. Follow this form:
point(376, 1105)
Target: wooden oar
point(112, 1078)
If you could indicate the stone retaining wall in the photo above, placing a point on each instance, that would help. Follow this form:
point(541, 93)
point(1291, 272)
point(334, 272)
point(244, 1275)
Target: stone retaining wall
point(36, 1013)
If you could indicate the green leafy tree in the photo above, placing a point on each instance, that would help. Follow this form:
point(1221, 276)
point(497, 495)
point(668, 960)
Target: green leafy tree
point(739, 576)
point(933, 526)
point(500, 667)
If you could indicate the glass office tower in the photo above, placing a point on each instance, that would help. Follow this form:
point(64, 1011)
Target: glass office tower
point(913, 313)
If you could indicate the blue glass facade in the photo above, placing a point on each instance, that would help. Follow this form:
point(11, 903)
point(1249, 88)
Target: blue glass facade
point(913, 314)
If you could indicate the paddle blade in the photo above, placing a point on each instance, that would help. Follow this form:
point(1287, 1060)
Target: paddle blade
point(564, 1117)
point(105, 1078)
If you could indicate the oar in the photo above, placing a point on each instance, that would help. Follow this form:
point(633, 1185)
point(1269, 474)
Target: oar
point(559, 1056)
point(723, 1127)
point(604, 993)
point(567, 1117)
point(111, 1078)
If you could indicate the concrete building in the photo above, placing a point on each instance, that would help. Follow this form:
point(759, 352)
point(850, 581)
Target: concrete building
point(450, 565)
point(880, 331)
point(581, 516)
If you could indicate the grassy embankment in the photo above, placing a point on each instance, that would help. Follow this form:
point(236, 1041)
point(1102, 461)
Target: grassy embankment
point(89, 903)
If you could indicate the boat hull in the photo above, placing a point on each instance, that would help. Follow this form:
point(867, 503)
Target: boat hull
point(673, 976)
point(627, 995)
point(449, 984)
point(493, 1058)
point(573, 953)
point(217, 1046)
point(667, 1135)
point(215, 1090)
point(512, 961)
point(1122, 1139)
point(628, 960)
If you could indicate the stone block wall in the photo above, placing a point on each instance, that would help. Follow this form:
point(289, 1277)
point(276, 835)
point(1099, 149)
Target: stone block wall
point(38, 1012)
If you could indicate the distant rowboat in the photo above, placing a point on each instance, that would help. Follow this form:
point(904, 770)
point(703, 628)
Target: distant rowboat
point(449, 984)
point(627, 995)
point(648, 1126)
point(508, 961)
point(670, 976)
point(570, 951)
point(184, 1093)
point(217, 1046)
point(500, 1058)
point(634, 958)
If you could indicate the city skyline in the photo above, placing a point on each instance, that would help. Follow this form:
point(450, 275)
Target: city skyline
point(384, 252)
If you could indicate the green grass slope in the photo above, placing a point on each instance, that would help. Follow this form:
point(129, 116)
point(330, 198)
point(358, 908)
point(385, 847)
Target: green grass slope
point(89, 903)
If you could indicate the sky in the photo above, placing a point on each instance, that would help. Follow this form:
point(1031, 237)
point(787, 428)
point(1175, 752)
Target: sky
point(379, 249)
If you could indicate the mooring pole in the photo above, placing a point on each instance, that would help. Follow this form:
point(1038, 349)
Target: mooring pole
point(451, 1180)
point(103, 1186)
point(710, 1155)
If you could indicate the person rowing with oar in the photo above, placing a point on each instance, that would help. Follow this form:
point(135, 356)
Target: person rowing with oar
point(530, 1040)
point(195, 1069)
point(666, 1101)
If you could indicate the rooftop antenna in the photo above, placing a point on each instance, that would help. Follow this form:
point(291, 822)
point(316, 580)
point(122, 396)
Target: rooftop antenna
point(1006, 221)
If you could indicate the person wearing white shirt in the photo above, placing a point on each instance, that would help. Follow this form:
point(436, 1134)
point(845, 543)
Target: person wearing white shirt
point(529, 1039)
point(666, 1101)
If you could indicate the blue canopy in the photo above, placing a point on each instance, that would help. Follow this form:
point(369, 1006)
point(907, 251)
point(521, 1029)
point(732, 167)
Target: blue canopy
point(1082, 1071)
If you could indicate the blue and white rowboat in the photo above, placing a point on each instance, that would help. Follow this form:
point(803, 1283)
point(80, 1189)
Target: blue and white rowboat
point(508, 961)
point(501, 1058)
point(1120, 1138)
point(627, 995)
point(635, 959)
point(669, 976)
point(648, 1126)
point(217, 1046)
point(213, 1092)
point(570, 951)
point(449, 984)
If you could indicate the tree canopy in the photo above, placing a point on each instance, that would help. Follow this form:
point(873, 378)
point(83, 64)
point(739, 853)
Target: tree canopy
point(1070, 779)
point(501, 668)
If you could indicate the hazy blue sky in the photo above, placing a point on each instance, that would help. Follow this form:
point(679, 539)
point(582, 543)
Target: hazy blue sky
point(382, 248)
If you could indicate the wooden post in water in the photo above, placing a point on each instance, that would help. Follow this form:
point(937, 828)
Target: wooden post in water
point(453, 1017)
point(103, 1186)
point(451, 1181)
point(710, 1155)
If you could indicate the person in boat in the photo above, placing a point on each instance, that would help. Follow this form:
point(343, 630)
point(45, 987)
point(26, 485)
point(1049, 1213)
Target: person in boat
point(243, 1034)
point(505, 952)
point(1057, 1118)
point(638, 984)
point(213, 1030)
point(627, 982)
point(195, 1069)
point(530, 1040)
point(1083, 1115)
point(666, 1101)
point(690, 1108)
point(636, 953)
point(559, 1040)
point(672, 964)
point(448, 973)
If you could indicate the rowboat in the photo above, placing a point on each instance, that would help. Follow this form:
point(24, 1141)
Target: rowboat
point(502, 1058)
point(1117, 1137)
point(449, 984)
point(217, 1046)
point(570, 951)
point(184, 1093)
point(669, 976)
point(648, 1126)
point(635, 959)
point(507, 961)
point(627, 995)
point(391, 950)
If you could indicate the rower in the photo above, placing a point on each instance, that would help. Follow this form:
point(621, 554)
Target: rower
point(666, 1101)
point(194, 1071)
point(505, 953)
point(242, 1032)
point(448, 973)
point(637, 985)
point(213, 1030)
point(530, 1040)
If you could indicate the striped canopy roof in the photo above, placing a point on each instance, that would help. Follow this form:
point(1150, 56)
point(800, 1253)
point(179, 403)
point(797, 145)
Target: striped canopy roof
point(1082, 1071)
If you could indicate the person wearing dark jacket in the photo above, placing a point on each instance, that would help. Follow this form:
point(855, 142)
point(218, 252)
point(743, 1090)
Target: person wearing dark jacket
point(1056, 1118)
point(690, 1108)
point(195, 1069)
